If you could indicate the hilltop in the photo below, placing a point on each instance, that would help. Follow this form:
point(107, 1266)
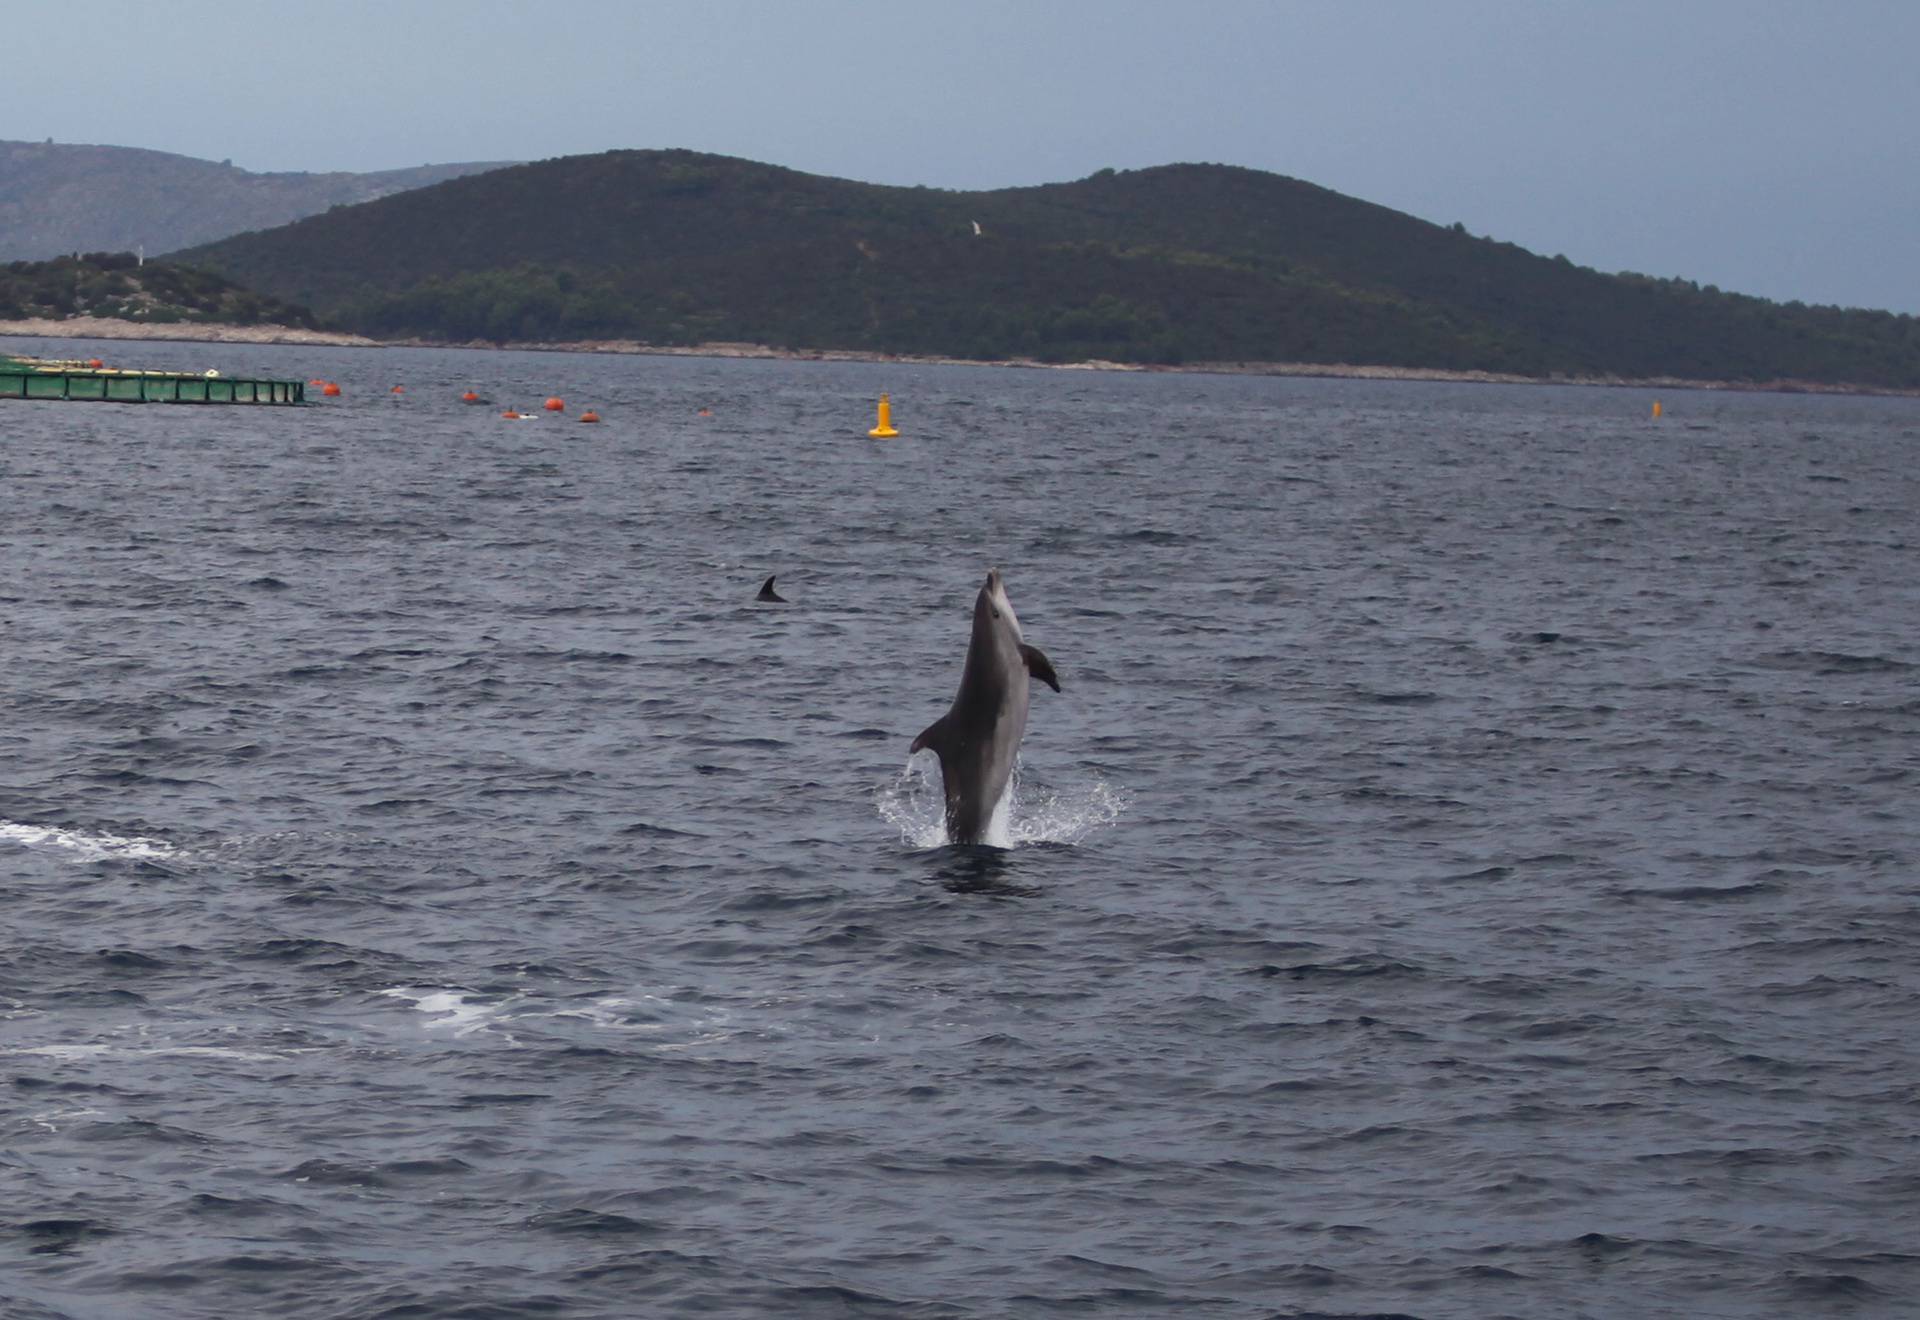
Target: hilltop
point(1163, 265)
point(59, 198)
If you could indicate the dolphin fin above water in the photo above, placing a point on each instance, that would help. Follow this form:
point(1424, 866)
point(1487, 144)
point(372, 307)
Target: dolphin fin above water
point(979, 736)
point(768, 593)
point(1039, 666)
point(934, 738)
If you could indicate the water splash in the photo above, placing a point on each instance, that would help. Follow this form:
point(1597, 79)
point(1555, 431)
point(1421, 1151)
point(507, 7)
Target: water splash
point(84, 847)
point(452, 1010)
point(1030, 812)
point(914, 804)
point(1064, 815)
point(520, 1020)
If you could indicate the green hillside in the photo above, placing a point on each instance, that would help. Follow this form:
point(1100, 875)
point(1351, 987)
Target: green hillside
point(116, 285)
point(1177, 263)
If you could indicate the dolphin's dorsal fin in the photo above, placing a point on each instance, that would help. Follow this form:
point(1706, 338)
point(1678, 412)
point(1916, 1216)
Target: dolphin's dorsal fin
point(1039, 666)
point(933, 738)
point(768, 593)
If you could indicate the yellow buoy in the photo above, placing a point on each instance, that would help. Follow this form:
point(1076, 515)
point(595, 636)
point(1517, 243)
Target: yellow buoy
point(884, 428)
point(1656, 407)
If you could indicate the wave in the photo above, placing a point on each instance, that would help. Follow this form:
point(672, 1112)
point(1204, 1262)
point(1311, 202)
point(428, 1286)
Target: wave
point(82, 846)
point(663, 1021)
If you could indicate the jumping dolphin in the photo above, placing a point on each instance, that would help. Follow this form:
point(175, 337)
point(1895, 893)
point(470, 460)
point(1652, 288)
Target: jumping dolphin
point(976, 739)
point(768, 593)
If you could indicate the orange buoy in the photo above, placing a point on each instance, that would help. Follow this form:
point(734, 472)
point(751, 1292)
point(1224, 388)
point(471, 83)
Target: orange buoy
point(511, 415)
point(556, 405)
point(95, 363)
point(706, 412)
point(316, 381)
point(589, 416)
point(469, 397)
point(330, 390)
point(399, 389)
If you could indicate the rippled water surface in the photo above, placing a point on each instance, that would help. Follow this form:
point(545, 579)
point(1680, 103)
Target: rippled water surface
point(1470, 870)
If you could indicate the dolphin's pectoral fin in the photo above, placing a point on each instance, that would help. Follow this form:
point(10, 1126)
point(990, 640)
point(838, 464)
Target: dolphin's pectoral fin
point(1039, 666)
point(933, 738)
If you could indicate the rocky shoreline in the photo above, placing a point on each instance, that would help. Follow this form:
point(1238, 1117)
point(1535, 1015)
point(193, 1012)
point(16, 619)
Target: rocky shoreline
point(190, 332)
point(87, 327)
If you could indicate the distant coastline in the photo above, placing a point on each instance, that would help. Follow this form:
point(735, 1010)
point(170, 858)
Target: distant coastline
point(189, 332)
point(90, 327)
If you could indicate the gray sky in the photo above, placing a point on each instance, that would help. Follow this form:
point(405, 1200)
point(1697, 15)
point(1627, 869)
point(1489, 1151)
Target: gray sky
point(1766, 146)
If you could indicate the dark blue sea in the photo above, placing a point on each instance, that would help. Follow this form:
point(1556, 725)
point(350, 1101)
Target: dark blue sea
point(1473, 867)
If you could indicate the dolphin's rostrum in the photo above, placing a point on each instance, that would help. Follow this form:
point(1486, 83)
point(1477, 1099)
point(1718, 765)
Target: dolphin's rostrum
point(977, 739)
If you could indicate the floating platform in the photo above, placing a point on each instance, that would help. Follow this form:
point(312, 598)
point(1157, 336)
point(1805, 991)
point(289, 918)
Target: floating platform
point(33, 378)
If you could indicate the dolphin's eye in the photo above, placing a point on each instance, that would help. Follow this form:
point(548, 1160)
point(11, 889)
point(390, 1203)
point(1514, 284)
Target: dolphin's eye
point(996, 614)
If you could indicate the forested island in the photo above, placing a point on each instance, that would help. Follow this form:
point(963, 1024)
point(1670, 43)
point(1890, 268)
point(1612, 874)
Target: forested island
point(1179, 264)
point(119, 286)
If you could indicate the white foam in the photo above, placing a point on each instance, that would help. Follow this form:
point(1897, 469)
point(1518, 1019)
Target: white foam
point(664, 1023)
point(1064, 815)
point(66, 1053)
point(915, 804)
point(84, 847)
point(651, 1014)
point(223, 1052)
point(642, 1013)
point(456, 1012)
point(55, 1119)
point(71, 1053)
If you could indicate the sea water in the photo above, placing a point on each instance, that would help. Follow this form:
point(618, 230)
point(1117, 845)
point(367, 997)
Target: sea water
point(1470, 869)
